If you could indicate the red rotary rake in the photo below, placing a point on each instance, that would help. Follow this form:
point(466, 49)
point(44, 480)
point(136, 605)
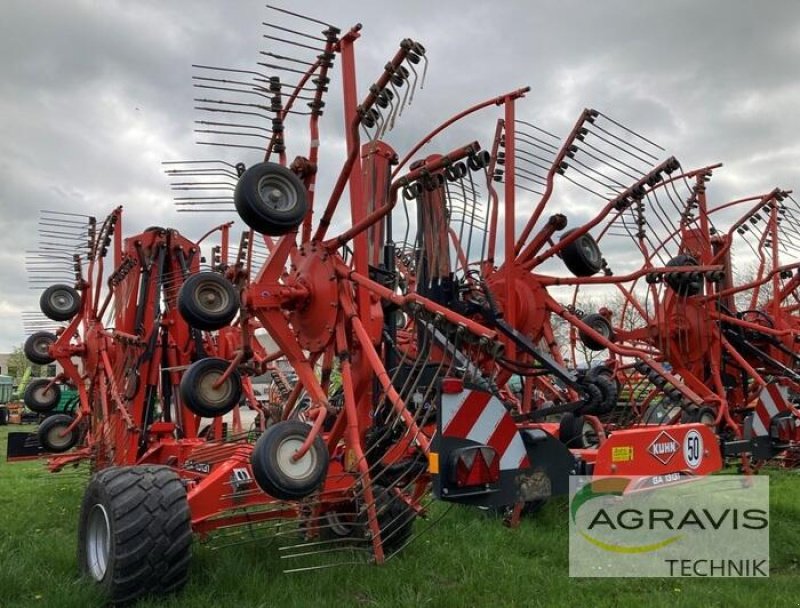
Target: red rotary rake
point(400, 318)
point(152, 348)
point(517, 298)
point(424, 332)
point(721, 347)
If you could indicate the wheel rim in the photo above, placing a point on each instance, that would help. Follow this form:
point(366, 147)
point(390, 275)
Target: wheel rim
point(212, 298)
point(589, 435)
point(56, 439)
point(62, 300)
point(590, 250)
point(43, 395)
point(277, 193)
point(41, 346)
point(708, 418)
point(299, 469)
point(215, 397)
point(98, 542)
point(341, 524)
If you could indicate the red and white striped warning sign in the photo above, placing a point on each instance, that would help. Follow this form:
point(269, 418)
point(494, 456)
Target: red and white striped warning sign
point(772, 400)
point(480, 417)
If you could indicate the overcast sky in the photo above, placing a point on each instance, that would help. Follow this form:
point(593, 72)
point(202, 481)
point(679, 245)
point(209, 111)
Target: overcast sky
point(95, 94)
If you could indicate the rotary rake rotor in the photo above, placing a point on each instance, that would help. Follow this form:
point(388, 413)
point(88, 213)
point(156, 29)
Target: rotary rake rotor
point(692, 340)
point(116, 334)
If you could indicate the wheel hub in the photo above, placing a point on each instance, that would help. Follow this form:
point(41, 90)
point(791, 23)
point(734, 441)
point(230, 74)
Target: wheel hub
point(62, 300)
point(212, 299)
point(278, 193)
point(56, 439)
point(314, 322)
point(299, 468)
point(211, 393)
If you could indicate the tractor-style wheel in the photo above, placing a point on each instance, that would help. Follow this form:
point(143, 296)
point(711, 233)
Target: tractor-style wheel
point(608, 390)
point(134, 532)
point(395, 519)
point(582, 256)
point(662, 412)
point(270, 199)
point(60, 302)
point(199, 390)
point(37, 347)
point(52, 436)
point(704, 414)
point(274, 468)
point(683, 283)
point(602, 326)
point(208, 301)
point(341, 521)
point(576, 432)
point(39, 398)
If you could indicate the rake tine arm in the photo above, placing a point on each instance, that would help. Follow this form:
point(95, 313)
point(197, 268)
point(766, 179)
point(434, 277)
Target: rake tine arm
point(381, 374)
point(494, 101)
point(619, 202)
point(566, 148)
point(354, 139)
point(378, 214)
point(494, 200)
point(775, 195)
point(615, 279)
point(764, 279)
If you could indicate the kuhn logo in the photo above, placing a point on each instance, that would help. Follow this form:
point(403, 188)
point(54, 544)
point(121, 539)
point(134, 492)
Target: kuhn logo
point(664, 447)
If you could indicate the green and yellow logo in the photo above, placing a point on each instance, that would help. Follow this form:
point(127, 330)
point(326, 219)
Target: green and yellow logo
point(603, 488)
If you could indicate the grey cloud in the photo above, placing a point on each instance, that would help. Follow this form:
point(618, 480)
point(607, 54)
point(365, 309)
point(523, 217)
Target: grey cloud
point(94, 95)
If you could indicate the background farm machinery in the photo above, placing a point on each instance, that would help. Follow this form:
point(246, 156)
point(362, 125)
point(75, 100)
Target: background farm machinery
point(405, 330)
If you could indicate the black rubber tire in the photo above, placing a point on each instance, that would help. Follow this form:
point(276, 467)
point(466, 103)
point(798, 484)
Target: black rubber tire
point(602, 326)
point(592, 398)
point(341, 521)
point(198, 394)
point(49, 434)
point(608, 389)
point(569, 429)
point(656, 413)
point(274, 447)
point(682, 283)
point(39, 400)
point(37, 347)
point(395, 519)
point(208, 301)
point(282, 214)
point(60, 302)
point(703, 414)
point(601, 370)
point(582, 256)
point(145, 514)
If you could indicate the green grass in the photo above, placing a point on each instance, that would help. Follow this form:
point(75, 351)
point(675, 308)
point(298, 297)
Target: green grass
point(467, 559)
